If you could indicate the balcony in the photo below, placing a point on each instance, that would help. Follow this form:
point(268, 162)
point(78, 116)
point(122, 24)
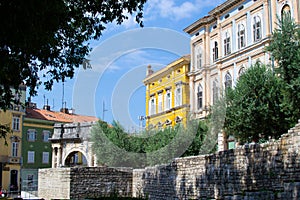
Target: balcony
point(14, 160)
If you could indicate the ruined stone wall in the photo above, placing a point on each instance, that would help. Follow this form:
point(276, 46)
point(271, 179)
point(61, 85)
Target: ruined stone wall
point(54, 183)
point(258, 172)
point(100, 181)
point(84, 182)
point(267, 171)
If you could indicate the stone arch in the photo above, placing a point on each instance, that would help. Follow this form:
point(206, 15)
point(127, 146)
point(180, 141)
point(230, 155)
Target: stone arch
point(83, 158)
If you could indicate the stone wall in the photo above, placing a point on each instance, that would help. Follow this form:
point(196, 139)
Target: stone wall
point(80, 183)
point(100, 181)
point(54, 183)
point(268, 171)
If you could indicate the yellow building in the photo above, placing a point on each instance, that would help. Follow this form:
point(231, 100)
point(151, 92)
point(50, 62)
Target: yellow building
point(227, 41)
point(10, 154)
point(167, 94)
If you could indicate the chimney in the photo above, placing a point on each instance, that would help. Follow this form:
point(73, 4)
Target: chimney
point(64, 110)
point(149, 70)
point(46, 107)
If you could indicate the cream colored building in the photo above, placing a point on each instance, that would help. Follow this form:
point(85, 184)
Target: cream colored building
point(231, 38)
point(227, 41)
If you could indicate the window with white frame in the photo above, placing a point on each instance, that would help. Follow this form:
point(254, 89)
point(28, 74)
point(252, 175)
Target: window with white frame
point(227, 48)
point(16, 123)
point(199, 97)
point(14, 149)
point(45, 157)
point(257, 29)
point(241, 36)
point(168, 100)
point(286, 11)
point(228, 80)
point(31, 135)
point(178, 95)
point(152, 106)
point(215, 51)
point(198, 57)
point(215, 91)
point(30, 156)
point(46, 135)
point(241, 71)
point(160, 102)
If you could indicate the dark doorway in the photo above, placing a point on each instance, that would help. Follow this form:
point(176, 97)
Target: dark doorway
point(13, 180)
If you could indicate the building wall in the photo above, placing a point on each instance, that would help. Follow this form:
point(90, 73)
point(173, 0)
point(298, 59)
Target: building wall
point(234, 23)
point(167, 80)
point(11, 162)
point(39, 146)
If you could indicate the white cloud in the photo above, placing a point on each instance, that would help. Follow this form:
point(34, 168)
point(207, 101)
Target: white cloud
point(177, 10)
point(130, 22)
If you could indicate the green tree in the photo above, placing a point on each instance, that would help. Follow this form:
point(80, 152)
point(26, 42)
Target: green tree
point(114, 147)
point(50, 38)
point(254, 106)
point(285, 48)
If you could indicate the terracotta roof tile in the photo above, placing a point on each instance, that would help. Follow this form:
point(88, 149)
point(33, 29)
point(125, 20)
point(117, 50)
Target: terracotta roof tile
point(36, 113)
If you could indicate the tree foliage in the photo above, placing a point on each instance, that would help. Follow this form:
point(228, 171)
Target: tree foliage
point(285, 48)
point(254, 106)
point(114, 147)
point(50, 38)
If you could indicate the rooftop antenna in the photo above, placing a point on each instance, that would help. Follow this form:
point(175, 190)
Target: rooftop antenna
point(44, 100)
point(52, 103)
point(63, 92)
point(103, 110)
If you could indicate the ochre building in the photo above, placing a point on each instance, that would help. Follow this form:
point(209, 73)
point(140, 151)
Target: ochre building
point(167, 94)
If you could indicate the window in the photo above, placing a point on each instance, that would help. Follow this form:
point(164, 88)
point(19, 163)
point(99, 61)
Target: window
point(16, 123)
point(178, 95)
point(30, 180)
point(30, 158)
point(46, 135)
point(241, 71)
point(198, 57)
point(152, 106)
point(168, 100)
point(227, 49)
point(160, 102)
point(241, 36)
point(31, 135)
point(15, 148)
point(256, 28)
point(45, 157)
point(199, 97)
point(215, 91)
point(286, 11)
point(215, 51)
point(228, 80)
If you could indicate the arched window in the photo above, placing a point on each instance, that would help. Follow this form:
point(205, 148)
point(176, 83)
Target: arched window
point(215, 91)
point(199, 97)
point(228, 80)
point(241, 71)
point(256, 28)
point(286, 11)
point(241, 36)
point(215, 51)
point(227, 49)
point(198, 57)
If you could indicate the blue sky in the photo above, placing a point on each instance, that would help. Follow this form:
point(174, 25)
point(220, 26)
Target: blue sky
point(119, 60)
